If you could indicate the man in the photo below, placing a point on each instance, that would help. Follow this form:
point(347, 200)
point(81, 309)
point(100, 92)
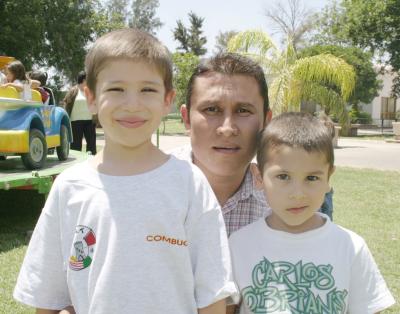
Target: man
point(226, 107)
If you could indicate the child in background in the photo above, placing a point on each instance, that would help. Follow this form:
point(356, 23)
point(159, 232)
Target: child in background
point(16, 77)
point(296, 260)
point(131, 230)
point(42, 78)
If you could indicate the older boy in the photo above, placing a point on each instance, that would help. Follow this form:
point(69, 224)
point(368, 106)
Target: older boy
point(132, 230)
point(296, 260)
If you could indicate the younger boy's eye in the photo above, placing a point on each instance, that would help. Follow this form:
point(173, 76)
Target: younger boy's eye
point(283, 176)
point(312, 178)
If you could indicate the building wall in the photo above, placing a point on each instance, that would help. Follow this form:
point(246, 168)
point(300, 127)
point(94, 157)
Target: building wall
point(375, 107)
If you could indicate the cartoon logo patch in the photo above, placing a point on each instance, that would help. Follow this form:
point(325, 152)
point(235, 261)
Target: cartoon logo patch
point(84, 245)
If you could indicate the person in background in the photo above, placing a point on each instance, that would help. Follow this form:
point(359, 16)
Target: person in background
point(82, 121)
point(296, 260)
point(17, 78)
point(42, 78)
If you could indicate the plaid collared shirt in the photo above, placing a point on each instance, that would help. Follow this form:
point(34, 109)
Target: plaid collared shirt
point(247, 205)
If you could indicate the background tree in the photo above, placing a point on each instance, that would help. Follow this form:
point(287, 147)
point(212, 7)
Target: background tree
point(292, 20)
point(49, 33)
point(144, 16)
point(367, 84)
point(222, 39)
point(184, 65)
point(371, 24)
point(117, 13)
point(323, 79)
point(191, 39)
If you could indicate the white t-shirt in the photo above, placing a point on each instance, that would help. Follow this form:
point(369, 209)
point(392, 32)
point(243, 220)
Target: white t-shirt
point(148, 243)
point(80, 110)
point(326, 270)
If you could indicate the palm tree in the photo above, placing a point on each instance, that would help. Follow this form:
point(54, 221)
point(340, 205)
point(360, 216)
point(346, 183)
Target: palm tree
point(323, 79)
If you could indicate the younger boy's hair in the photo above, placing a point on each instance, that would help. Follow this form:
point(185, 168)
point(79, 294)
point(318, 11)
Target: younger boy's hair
point(230, 64)
point(295, 130)
point(131, 44)
point(17, 69)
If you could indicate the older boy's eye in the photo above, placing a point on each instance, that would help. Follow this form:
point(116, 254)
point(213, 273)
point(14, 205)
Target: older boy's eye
point(312, 178)
point(283, 176)
point(115, 89)
point(149, 90)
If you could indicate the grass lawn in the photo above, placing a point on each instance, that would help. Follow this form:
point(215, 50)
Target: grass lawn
point(365, 201)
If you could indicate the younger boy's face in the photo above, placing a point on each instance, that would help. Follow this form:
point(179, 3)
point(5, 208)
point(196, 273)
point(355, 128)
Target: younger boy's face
point(130, 101)
point(295, 182)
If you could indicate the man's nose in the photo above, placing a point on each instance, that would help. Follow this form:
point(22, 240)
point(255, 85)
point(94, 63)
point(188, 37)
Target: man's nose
point(228, 126)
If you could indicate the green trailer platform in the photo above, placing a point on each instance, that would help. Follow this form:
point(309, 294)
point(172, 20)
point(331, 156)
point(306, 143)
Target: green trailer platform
point(13, 175)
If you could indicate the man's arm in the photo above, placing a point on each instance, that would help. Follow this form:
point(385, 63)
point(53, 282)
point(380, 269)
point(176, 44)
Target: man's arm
point(230, 309)
point(215, 308)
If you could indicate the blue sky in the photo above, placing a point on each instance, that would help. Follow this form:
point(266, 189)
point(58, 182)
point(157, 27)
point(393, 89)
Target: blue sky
point(220, 15)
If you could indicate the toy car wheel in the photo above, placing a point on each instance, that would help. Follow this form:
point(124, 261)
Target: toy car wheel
point(36, 157)
point(63, 149)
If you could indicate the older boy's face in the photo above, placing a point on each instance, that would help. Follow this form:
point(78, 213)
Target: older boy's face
point(295, 182)
point(225, 116)
point(130, 101)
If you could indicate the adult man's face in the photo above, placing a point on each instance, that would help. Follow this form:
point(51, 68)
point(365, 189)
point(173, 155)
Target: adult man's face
point(225, 116)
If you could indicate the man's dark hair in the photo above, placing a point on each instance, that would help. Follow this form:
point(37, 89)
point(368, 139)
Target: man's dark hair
point(295, 130)
point(81, 77)
point(230, 64)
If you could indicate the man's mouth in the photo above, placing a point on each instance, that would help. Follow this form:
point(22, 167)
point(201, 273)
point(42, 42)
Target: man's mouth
point(226, 149)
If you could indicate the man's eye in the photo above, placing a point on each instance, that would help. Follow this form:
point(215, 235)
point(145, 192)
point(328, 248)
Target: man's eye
point(283, 176)
point(211, 109)
point(244, 111)
point(312, 178)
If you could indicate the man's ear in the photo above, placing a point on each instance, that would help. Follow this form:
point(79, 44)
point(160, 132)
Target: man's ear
point(268, 117)
point(185, 116)
point(257, 178)
point(169, 100)
point(91, 100)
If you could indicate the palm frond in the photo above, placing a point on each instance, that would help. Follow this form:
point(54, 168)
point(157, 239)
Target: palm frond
point(255, 41)
point(328, 69)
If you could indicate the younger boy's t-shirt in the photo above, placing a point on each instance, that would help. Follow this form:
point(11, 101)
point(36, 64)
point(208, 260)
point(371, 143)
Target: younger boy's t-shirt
point(326, 270)
point(148, 243)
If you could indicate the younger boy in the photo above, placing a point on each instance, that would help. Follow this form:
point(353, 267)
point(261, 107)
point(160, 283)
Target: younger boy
point(132, 230)
point(296, 260)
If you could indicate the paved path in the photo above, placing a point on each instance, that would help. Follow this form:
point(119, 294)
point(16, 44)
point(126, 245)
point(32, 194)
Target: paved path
point(368, 154)
point(351, 152)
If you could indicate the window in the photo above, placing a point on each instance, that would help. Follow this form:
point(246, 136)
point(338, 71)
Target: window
point(388, 108)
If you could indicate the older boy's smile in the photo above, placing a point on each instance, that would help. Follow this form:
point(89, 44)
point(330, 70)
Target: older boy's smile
point(131, 122)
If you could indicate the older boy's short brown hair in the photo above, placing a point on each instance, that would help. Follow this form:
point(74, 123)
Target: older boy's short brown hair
point(296, 130)
point(128, 44)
